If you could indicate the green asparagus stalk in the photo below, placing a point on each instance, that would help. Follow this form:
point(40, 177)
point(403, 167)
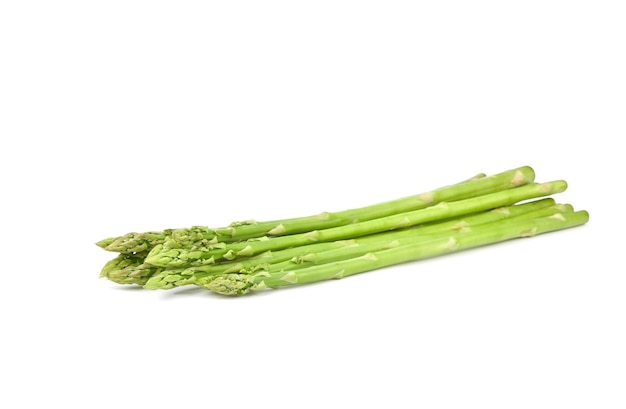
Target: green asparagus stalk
point(159, 256)
point(239, 284)
point(237, 231)
point(475, 186)
point(285, 259)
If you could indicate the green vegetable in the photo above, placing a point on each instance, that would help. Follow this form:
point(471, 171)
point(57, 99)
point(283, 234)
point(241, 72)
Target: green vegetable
point(237, 231)
point(248, 256)
point(180, 257)
point(302, 256)
point(239, 284)
point(129, 269)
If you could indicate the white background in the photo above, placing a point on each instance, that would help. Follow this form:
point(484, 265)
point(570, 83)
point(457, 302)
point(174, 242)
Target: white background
point(123, 116)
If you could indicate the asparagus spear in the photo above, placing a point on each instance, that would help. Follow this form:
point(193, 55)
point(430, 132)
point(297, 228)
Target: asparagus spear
point(285, 259)
point(239, 284)
point(162, 257)
point(237, 231)
point(325, 220)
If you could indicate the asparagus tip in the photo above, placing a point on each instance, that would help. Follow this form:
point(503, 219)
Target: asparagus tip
point(166, 280)
point(105, 243)
point(128, 243)
point(230, 284)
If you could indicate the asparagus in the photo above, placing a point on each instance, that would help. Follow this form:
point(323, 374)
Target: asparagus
point(284, 259)
point(163, 257)
point(239, 284)
point(176, 277)
point(394, 240)
point(132, 243)
point(475, 186)
point(129, 269)
point(237, 231)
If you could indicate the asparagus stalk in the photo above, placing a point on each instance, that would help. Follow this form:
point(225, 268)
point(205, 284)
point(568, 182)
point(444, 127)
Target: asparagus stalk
point(239, 284)
point(303, 255)
point(237, 231)
point(162, 257)
point(475, 186)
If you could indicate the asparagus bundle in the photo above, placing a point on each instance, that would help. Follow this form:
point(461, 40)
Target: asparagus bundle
point(321, 253)
point(249, 256)
point(239, 284)
point(237, 231)
point(163, 257)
